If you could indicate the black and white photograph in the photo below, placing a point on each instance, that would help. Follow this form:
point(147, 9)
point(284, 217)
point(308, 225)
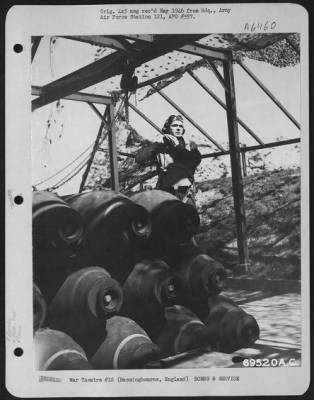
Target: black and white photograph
point(164, 202)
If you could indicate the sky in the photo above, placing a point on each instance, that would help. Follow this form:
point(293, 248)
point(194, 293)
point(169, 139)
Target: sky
point(75, 126)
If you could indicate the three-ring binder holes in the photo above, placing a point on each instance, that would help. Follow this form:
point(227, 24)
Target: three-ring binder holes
point(18, 352)
point(18, 48)
point(18, 200)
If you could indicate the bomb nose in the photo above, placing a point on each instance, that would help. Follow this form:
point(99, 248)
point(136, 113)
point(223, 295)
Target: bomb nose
point(141, 224)
point(215, 280)
point(109, 301)
point(169, 293)
point(219, 280)
point(70, 229)
point(251, 330)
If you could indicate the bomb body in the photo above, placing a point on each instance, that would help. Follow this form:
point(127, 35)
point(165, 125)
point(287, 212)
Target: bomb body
point(183, 331)
point(199, 276)
point(150, 287)
point(231, 328)
point(126, 345)
point(57, 232)
point(83, 304)
point(173, 221)
point(54, 350)
point(114, 227)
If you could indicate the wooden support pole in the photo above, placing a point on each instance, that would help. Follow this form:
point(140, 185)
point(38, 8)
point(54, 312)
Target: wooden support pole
point(269, 94)
point(217, 74)
point(113, 150)
point(237, 183)
point(243, 157)
point(217, 99)
point(95, 147)
point(186, 116)
point(145, 118)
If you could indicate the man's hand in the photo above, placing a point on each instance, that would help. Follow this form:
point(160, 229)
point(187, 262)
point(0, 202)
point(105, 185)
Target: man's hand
point(172, 140)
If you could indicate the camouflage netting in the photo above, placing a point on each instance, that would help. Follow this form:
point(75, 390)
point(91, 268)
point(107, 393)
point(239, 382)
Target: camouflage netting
point(130, 172)
point(280, 50)
point(285, 53)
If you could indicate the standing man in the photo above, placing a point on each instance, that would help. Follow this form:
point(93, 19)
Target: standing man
point(176, 164)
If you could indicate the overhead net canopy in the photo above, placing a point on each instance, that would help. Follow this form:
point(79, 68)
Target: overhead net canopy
point(276, 49)
point(280, 50)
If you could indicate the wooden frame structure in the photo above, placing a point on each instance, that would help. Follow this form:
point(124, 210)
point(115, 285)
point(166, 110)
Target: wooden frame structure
point(143, 49)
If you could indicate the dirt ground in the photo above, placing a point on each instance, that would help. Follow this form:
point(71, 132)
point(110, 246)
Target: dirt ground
point(279, 318)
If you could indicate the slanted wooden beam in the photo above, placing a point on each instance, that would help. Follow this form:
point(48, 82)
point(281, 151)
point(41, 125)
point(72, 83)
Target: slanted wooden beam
point(95, 109)
point(114, 172)
point(143, 38)
point(217, 74)
point(292, 45)
point(111, 65)
point(81, 79)
point(195, 48)
point(95, 147)
point(269, 93)
point(253, 148)
point(165, 45)
point(217, 99)
point(157, 78)
point(161, 77)
point(85, 97)
point(145, 117)
point(104, 41)
point(186, 116)
point(35, 43)
point(237, 183)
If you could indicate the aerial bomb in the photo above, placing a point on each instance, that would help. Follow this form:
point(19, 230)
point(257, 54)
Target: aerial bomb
point(114, 227)
point(83, 303)
point(203, 273)
point(199, 275)
point(183, 331)
point(150, 287)
point(57, 231)
point(173, 222)
point(54, 220)
point(126, 346)
point(54, 350)
point(231, 328)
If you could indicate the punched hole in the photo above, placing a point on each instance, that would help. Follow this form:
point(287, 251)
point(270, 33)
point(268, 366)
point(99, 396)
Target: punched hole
point(18, 352)
point(18, 200)
point(18, 48)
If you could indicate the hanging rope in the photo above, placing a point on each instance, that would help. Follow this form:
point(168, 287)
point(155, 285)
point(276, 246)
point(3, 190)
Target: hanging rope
point(70, 175)
point(66, 166)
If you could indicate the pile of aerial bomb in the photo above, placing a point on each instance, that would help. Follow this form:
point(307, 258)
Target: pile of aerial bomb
point(120, 283)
